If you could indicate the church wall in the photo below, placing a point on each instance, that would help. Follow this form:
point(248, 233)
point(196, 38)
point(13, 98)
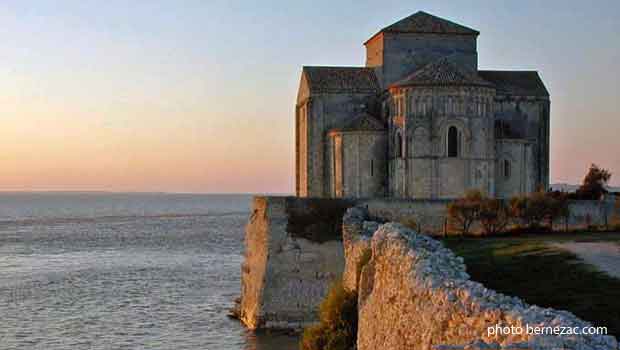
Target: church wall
point(398, 168)
point(374, 51)
point(302, 162)
point(301, 138)
point(421, 172)
point(361, 161)
point(405, 52)
point(325, 112)
point(521, 178)
point(535, 124)
point(373, 167)
point(452, 177)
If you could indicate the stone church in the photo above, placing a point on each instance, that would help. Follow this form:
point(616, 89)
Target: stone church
point(420, 120)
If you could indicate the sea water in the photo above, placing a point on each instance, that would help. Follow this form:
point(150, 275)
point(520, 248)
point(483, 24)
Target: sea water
point(123, 271)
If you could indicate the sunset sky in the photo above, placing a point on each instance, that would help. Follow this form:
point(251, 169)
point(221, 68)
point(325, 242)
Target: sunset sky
point(198, 96)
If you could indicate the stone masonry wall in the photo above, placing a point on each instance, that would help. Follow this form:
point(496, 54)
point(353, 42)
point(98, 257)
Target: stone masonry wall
point(586, 213)
point(294, 248)
point(413, 293)
point(430, 215)
point(293, 251)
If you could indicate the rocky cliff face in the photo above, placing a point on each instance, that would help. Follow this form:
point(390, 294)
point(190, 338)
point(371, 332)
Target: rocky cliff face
point(413, 293)
point(293, 251)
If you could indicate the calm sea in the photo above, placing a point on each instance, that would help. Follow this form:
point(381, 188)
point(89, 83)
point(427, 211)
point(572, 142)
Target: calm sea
point(123, 271)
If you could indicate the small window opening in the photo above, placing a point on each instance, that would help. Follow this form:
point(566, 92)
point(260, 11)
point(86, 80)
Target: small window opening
point(507, 169)
point(453, 142)
point(372, 167)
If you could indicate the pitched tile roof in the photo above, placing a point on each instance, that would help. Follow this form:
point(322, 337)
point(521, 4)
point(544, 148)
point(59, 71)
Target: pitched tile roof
point(341, 79)
point(362, 122)
point(422, 22)
point(442, 72)
point(524, 83)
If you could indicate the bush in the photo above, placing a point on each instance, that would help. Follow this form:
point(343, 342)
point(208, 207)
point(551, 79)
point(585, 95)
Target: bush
point(528, 209)
point(557, 207)
point(539, 207)
point(465, 211)
point(494, 216)
point(337, 329)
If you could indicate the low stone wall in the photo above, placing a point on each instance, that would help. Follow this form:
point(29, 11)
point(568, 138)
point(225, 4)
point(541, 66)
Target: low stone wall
point(413, 293)
point(585, 213)
point(614, 218)
point(431, 217)
point(293, 251)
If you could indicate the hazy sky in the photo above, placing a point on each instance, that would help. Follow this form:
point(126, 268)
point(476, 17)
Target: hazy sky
point(198, 96)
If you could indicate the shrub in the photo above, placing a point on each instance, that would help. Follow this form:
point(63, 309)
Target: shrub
point(494, 216)
point(465, 211)
point(529, 209)
point(539, 207)
point(557, 207)
point(337, 329)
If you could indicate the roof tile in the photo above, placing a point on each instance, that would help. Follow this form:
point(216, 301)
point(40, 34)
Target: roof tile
point(425, 23)
point(443, 72)
point(362, 122)
point(342, 79)
point(524, 83)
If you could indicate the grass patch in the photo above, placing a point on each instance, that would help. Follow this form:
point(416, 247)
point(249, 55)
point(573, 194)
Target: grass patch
point(528, 268)
point(337, 329)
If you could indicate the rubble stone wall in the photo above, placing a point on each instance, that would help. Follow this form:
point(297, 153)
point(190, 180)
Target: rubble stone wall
point(413, 293)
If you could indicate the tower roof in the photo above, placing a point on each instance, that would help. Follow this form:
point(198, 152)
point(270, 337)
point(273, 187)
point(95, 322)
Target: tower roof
point(442, 72)
point(422, 22)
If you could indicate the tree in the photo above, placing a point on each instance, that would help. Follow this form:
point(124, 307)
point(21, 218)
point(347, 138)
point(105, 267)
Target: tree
point(494, 216)
point(538, 207)
point(593, 186)
point(465, 211)
point(531, 210)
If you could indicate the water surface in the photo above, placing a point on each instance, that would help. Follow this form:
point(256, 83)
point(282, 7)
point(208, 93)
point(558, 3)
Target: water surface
point(123, 271)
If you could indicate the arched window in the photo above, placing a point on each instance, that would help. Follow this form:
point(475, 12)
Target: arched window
point(506, 168)
point(453, 142)
point(398, 145)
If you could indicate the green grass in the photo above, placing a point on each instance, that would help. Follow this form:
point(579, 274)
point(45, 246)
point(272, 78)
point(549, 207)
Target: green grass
point(528, 268)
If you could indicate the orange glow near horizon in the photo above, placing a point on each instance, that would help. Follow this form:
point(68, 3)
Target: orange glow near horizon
point(48, 147)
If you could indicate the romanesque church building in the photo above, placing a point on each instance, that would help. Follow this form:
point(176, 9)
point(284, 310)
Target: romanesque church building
point(420, 120)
